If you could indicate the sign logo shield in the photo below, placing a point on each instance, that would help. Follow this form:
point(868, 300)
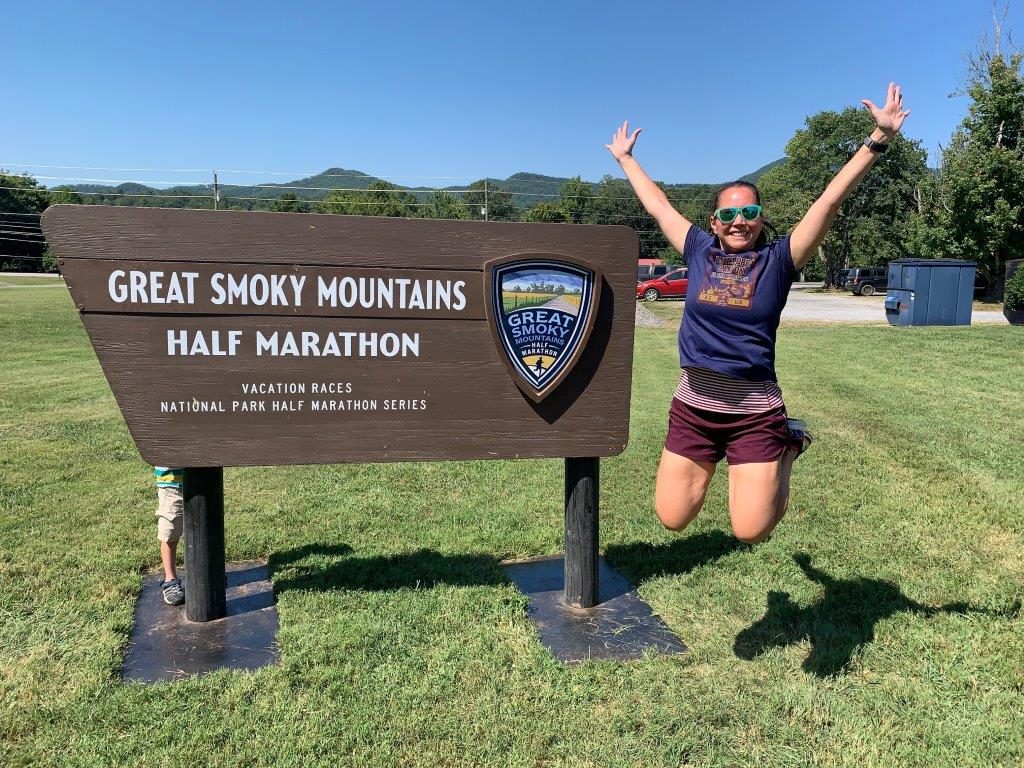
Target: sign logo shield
point(541, 311)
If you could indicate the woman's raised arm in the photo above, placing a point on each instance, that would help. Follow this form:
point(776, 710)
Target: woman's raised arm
point(813, 227)
point(672, 222)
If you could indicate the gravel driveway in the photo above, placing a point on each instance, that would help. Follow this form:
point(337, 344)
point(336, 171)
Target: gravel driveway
point(847, 308)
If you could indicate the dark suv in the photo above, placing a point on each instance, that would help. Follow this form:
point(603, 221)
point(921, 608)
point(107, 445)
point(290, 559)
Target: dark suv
point(867, 280)
point(651, 271)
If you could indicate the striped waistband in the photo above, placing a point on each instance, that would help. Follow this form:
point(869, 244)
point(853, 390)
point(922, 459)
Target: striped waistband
point(716, 392)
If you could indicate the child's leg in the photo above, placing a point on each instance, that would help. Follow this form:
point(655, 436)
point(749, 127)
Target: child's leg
point(170, 524)
point(169, 556)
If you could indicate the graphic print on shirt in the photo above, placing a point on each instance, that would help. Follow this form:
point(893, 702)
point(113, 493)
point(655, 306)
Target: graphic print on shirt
point(730, 279)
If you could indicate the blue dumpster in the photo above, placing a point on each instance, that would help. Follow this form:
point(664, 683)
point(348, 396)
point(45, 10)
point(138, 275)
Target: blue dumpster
point(930, 292)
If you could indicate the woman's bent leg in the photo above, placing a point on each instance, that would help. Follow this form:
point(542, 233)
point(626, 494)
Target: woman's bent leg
point(680, 489)
point(758, 497)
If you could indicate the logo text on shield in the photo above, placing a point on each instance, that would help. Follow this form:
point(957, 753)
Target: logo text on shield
point(541, 312)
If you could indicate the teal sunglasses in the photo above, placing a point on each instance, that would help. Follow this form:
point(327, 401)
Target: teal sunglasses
point(727, 215)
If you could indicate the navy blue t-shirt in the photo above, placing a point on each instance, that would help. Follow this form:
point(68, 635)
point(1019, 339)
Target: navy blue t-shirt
point(733, 305)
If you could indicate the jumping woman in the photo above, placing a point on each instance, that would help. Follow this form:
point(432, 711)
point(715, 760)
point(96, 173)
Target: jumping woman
point(728, 403)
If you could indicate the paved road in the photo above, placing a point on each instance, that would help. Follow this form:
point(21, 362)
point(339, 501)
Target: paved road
point(847, 308)
point(56, 281)
point(562, 304)
point(8, 286)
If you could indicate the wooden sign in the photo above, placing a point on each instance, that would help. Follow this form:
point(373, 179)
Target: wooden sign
point(238, 339)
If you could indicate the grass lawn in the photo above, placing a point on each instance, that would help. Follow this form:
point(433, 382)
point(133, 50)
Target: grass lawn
point(880, 626)
point(9, 280)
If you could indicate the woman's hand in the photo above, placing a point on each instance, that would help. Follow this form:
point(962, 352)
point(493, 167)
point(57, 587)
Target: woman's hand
point(622, 142)
point(889, 118)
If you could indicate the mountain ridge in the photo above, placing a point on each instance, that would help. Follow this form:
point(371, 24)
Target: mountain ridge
point(527, 187)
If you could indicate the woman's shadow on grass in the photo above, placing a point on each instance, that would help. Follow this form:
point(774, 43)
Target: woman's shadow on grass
point(842, 621)
point(642, 561)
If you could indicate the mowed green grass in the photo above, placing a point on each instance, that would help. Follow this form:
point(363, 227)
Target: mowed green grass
point(880, 625)
point(9, 280)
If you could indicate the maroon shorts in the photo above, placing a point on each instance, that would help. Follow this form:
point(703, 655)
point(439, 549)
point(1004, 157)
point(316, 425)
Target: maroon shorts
point(742, 438)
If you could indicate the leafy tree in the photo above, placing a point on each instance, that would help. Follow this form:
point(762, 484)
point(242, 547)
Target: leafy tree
point(694, 201)
point(62, 196)
point(19, 239)
point(616, 203)
point(21, 194)
point(547, 212)
point(874, 223)
point(379, 199)
point(288, 203)
point(497, 201)
point(1013, 297)
point(444, 205)
point(980, 197)
point(576, 199)
point(670, 255)
point(49, 261)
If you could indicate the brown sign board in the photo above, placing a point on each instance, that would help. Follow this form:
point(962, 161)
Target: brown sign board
point(245, 339)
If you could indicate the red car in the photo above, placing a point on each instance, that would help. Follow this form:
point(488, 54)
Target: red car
point(671, 286)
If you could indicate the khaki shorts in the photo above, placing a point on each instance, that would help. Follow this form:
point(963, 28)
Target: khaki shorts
point(170, 514)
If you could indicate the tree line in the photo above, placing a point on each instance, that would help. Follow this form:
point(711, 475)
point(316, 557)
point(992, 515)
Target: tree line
point(971, 207)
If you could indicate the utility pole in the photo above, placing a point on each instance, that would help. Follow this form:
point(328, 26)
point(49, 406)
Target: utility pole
point(216, 191)
point(487, 209)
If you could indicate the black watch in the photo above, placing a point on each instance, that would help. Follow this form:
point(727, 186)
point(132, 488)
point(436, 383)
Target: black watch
point(875, 146)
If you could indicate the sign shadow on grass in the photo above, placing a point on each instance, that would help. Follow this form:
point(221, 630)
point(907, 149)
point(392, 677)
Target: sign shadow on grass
point(839, 623)
point(620, 627)
point(322, 567)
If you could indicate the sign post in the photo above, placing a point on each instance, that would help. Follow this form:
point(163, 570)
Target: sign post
point(206, 585)
point(581, 531)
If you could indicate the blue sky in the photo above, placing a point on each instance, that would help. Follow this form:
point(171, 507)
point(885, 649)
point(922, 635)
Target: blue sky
point(414, 92)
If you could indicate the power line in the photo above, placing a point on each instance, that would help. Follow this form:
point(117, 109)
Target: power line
point(406, 190)
point(339, 202)
point(306, 174)
point(410, 190)
point(19, 226)
point(24, 237)
point(303, 174)
point(28, 235)
point(314, 189)
point(37, 190)
point(121, 181)
point(99, 168)
point(108, 194)
point(248, 186)
point(113, 192)
point(19, 233)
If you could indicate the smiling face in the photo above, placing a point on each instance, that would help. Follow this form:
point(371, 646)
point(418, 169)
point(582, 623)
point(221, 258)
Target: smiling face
point(739, 234)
